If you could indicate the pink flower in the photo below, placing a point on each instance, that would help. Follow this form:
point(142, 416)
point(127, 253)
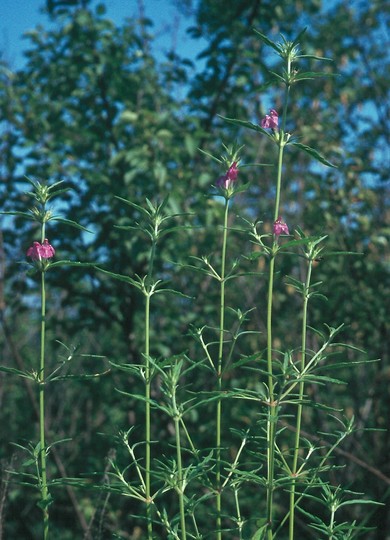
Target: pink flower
point(280, 227)
point(270, 120)
point(227, 179)
point(41, 251)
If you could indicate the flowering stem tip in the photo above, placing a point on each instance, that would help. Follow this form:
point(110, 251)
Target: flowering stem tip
point(227, 179)
point(280, 227)
point(41, 251)
point(270, 120)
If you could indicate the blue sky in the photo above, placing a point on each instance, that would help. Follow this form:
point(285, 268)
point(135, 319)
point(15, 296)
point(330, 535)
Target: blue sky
point(18, 16)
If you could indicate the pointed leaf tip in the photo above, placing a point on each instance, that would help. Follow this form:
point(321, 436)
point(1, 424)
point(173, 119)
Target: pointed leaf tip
point(314, 153)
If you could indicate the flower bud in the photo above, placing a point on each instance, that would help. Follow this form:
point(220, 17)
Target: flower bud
point(41, 251)
point(227, 179)
point(280, 227)
point(270, 120)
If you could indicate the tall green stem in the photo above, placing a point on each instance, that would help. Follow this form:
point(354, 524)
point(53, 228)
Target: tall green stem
point(177, 420)
point(219, 372)
point(42, 441)
point(272, 413)
point(300, 398)
point(147, 417)
point(148, 291)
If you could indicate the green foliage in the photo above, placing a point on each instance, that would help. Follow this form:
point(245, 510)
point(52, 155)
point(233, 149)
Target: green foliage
point(94, 112)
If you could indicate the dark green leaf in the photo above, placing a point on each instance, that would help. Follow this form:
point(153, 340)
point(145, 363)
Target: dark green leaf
point(313, 153)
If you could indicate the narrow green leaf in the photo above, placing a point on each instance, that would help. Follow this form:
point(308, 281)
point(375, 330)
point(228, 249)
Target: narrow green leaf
point(360, 501)
point(21, 214)
point(17, 372)
point(71, 263)
point(279, 77)
point(308, 75)
point(331, 253)
point(140, 397)
point(137, 370)
point(24, 448)
point(52, 186)
point(210, 156)
point(136, 206)
point(315, 57)
point(28, 462)
point(321, 379)
point(248, 125)
point(70, 222)
point(313, 153)
point(266, 40)
point(299, 36)
point(260, 534)
point(172, 291)
point(300, 241)
point(120, 277)
point(79, 377)
point(296, 282)
point(56, 193)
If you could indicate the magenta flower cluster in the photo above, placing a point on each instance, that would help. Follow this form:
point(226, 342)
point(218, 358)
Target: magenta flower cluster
point(227, 179)
point(270, 120)
point(280, 227)
point(41, 251)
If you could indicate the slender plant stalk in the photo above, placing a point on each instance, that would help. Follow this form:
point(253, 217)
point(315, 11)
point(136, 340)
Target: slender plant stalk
point(272, 413)
point(179, 467)
point(314, 476)
point(240, 522)
point(331, 526)
point(148, 291)
point(42, 440)
point(147, 418)
point(300, 398)
point(219, 372)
